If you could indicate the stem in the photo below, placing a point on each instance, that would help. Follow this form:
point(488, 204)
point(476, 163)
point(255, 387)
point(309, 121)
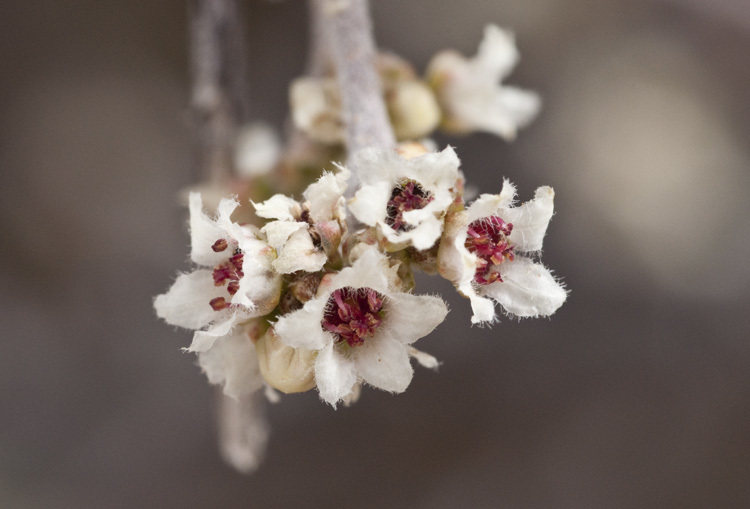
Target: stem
point(219, 102)
point(349, 30)
point(243, 430)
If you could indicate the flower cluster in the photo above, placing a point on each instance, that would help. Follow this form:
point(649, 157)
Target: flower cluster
point(320, 295)
point(292, 295)
point(457, 94)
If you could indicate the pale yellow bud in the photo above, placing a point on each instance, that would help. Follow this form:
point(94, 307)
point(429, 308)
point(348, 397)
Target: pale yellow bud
point(413, 110)
point(285, 368)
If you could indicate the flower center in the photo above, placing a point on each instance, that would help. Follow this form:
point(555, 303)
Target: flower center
point(487, 238)
point(353, 314)
point(227, 273)
point(407, 195)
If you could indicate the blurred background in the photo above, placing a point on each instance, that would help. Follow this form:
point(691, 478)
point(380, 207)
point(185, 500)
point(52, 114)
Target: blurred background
point(635, 394)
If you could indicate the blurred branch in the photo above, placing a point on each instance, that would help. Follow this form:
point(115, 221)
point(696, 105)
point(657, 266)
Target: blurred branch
point(218, 61)
point(349, 30)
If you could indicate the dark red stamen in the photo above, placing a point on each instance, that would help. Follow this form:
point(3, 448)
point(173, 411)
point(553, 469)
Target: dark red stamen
point(487, 238)
point(408, 195)
point(219, 303)
point(353, 314)
point(227, 273)
point(220, 245)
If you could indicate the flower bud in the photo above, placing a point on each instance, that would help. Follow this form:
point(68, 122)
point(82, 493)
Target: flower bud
point(285, 368)
point(413, 110)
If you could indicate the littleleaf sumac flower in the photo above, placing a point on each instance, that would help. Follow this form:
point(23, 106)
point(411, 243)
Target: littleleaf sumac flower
point(405, 198)
point(470, 91)
point(361, 325)
point(234, 284)
point(486, 253)
point(316, 291)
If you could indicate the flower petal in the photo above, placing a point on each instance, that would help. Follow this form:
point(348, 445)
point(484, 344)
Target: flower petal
point(325, 194)
point(530, 220)
point(204, 340)
point(335, 375)
point(277, 232)
point(231, 362)
point(528, 289)
point(278, 206)
point(497, 54)
point(187, 302)
point(489, 204)
point(410, 317)
point(302, 328)
point(383, 362)
point(204, 232)
point(370, 270)
point(482, 307)
point(370, 202)
point(424, 359)
point(299, 253)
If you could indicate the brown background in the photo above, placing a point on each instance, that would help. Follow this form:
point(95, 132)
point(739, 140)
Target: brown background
point(636, 394)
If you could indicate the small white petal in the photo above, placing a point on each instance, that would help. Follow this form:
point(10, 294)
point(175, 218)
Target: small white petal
point(299, 253)
point(204, 232)
point(424, 359)
point(528, 289)
point(383, 362)
point(482, 307)
point(530, 220)
point(370, 203)
point(278, 206)
point(489, 204)
point(258, 293)
point(204, 340)
point(497, 52)
point(335, 375)
point(278, 232)
point(368, 271)
point(325, 194)
point(410, 317)
point(187, 302)
point(436, 171)
point(231, 362)
point(302, 328)
point(421, 237)
point(516, 105)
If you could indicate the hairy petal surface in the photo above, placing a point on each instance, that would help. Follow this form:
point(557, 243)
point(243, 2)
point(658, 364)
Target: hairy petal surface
point(528, 289)
point(335, 375)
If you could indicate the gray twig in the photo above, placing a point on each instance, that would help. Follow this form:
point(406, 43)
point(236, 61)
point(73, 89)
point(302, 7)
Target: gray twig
point(218, 58)
point(349, 31)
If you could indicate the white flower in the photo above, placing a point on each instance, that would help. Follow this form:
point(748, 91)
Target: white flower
point(405, 198)
point(481, 253)
point(316, 109)
point(361, 328)
point(305, 234)
point(236, 284)
point(470, 90)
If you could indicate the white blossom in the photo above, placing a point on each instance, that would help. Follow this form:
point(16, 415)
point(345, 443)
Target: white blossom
point(471, 93)
point(361, 328)
point(316, 109)
point(486, 252)
point(305, 234)
point(405, 198)
point(235, 283)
